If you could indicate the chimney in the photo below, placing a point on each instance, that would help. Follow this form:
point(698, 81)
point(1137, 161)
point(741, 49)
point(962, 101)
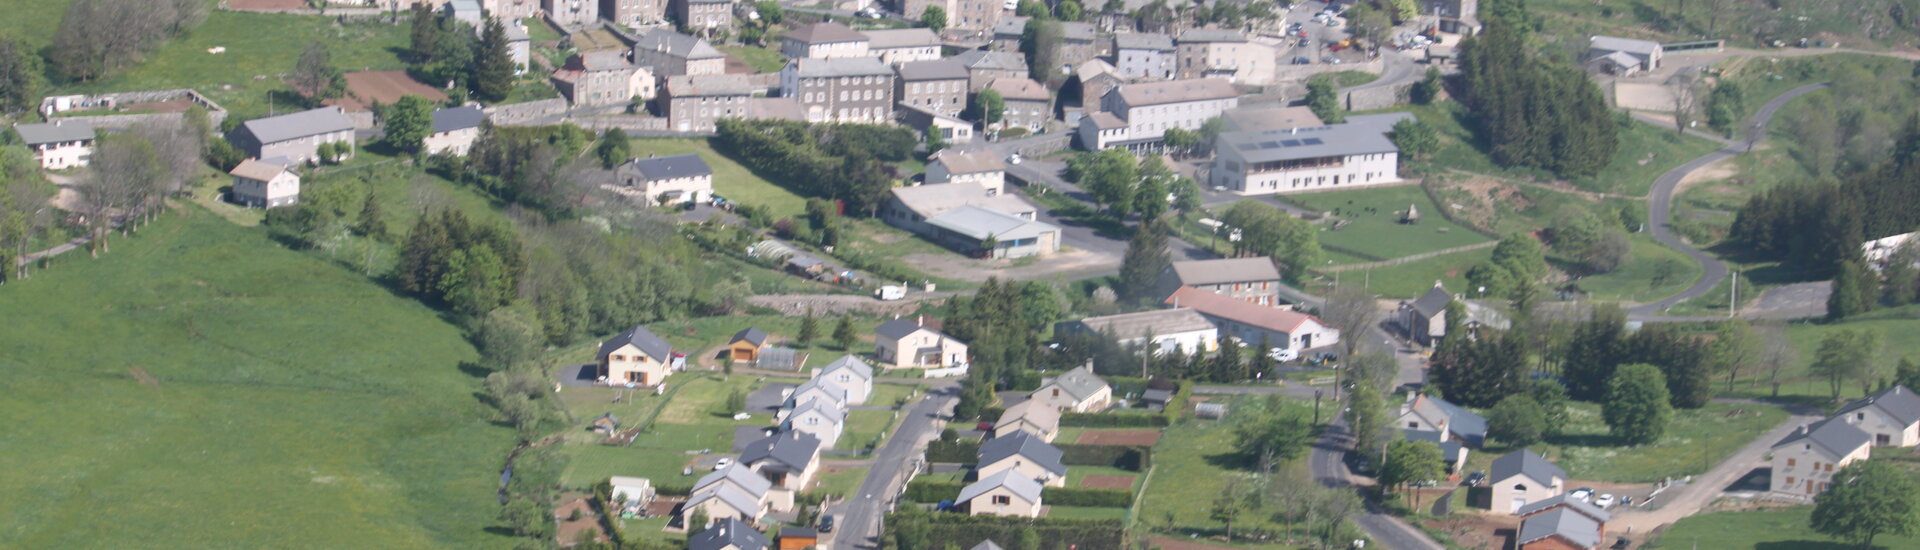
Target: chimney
point(920, 320)
point(1802, 430)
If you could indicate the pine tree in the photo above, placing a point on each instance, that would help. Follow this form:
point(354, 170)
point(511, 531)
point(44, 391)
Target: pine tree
point(809, 328)
point(843, 333)
point(1262, 362)
point(614, 148)
point(493, 65)
point(1855, 291)
point(1146, 258)
point(371, 224)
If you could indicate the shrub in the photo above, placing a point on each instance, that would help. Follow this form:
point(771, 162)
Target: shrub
point(933, 491)
point(1104, 420)
point(1099, 498)
point(1134, 459)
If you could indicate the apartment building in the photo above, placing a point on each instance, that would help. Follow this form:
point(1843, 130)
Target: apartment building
point(939, 86)
point(1356, 153)
point(840, 90)
point(1218, 53)
point(1142, 112)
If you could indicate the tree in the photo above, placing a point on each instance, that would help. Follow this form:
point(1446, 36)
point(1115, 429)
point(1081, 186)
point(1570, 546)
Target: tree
point(1027, 538)
point(1324, 100)
point(1636, 409)
point(1069, 10)
point(1409, 462)
point(1368, 22)
point(771, 11)
point(493, 64)
point(20, 78)
point(1777, 352)
point(1272, 436)
point(614, 148)
point(1180, 139)
point(736, 401)
point(1428, 89)
point(1735, 345)
point(1845, 354)
point(527, 518)
point(508, 338)
point(1518, 421)
point(1228, 505)
point(809, 328)
point(1262, 361)
point(1146, 258)
point(1415, 138)
point(1855, 290)
point(1041, 41)
point(1367, 416)
point(843, 334)
point(425, 32)
point(1907, 373)
point(407, 122)
point(371, 224)
point(1552, 398)
point(1351, 309)
point(989, 106)
point(1866, 499)
point(1032, 8)
point(314, 76)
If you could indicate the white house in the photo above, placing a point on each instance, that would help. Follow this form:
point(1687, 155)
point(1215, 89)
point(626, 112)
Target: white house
point(666, 180)
point(1004, 494)
point(816, 390)
point(58, 144)
point(1891, 416)
point(1804, 462)
point(1034, 417)
point(1452, 422)
point(632, 489)
point(1644, 55)
point(820, 418)
point(732, 492)
point(264, 184)
point(1024, 455)
point(788, 459)
point(1077, 390)
point(1146, 110)
point(1355, 153)
point(1250, 322)
point(1523, 478)
point(850, 375)
point(981, 167)
point(1179, 328)
point(909, 343)
point(454, 130)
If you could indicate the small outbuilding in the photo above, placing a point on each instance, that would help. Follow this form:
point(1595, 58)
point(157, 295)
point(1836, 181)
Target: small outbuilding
point(746, 345)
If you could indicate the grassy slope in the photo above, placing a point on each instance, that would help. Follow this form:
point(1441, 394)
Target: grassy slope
point(1696, 439)
point(1635, 279)
point(32, 22)
point(1773, 529)
point(1658, 146)
point(763, 60)
point(1412, 279)
point(1379, 233)
point(1193, 462)
point(271, 420)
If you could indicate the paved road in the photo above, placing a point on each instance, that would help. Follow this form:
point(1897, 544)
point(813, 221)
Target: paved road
point(1686, 500)
point(859, 516)
point(1660, 210)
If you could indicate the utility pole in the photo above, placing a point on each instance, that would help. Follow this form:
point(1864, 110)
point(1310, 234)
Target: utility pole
point(1733, 302)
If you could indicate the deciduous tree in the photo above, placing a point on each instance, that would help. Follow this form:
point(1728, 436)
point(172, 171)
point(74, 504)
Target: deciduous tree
point(935, 19)
point(1518, 421)
point(1636, 409)
point(314, 75)
point(407, 123)
point(1866, 499)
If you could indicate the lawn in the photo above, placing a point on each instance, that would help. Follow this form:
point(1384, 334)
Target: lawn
point(730, 179)
point(1650, 272)
point(1085, 512)
point(1770, 529)
point(205, 387)
point(1192, 464)
point(688, 424)
point(1344, 79)
point(1078, 474)
point(1414, 278)
point(763, 60)
point(842, 482)
point(863, 427)
point(33, 22)
point(1695, 440)
point(1646, 151)
point(1373, 229)
point(886, 395)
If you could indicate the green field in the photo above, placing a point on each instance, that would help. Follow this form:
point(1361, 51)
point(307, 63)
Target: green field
point(1374, 227)
point(864, 428)
point(1658, 147)
point(1077, 475)
point(763, 60)
point(32, 22)
point(730, 179)
point(843, 482)
point(201, 386)
point(1414, 278)
point(1696, 440)
point(1344, 79)
point(690, 422)
point(1770, 529)
point(1650, 272)
point(1191, 466)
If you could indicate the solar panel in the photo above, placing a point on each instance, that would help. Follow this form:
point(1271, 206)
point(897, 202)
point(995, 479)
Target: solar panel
point(1269, 145)
point(1314, 141)
point(1290, 142)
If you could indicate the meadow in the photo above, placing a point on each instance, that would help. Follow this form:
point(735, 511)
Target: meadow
point(1695, 440)
point(1373, 229)
point(1649, 272)
point(1767, 529)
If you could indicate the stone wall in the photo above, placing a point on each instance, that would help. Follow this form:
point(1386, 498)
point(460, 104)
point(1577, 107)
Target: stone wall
point(1368, 99)
point(106, 119)
point(1302, 72)
point(520, 114)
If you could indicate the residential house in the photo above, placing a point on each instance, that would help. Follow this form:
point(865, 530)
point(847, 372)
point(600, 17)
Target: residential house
point(1268, 118)
point(669, 54)
point(703, 16)
point(1095, 78)
point(1024, 455)
point(986, 545)
point(964, 17)
point(1219, 53)
point(820, 418)
point(1891, 416)
point(1575, 505)
point(951, 129)
point(1034, 417)
point(1451, 450)
point(1148, 109)
point(1559, 529)
point(1804, 462)
point(1007, 33)
point(1455, 16)
point(909, 343)
point(631, 489)
point(788, 459)
point(511, 9)
point(823, 40)
point(850, 375)
point(984, 66)
point(1144, 55)
point(1253, 323)
point(1645, 54)
point(264, 184)
point(897, 46)
point(295, 137)
point(846, 90)
point(695, 103)
point(728, 534)
point(1255, 279)
point(1028, 104)
point(815, 389)
point(1521, 478)
point(59, 144)
point(602, 78)
point(1355, 153)
point(1004, 494)
point(939, 86)
point(519, 46)
point(1173, 329)
point(1452, 422)
point(746, 345)
point(454, 129)
point(571, 14)
point(634, 14)
point(731, 492)
point(635, 357)
point(668, 180)
point(1077, 390)
point(977, 167)
point(1425, 319)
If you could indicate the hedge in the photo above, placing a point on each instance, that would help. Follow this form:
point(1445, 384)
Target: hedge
point(945, 529)
point(1133, 459)
point(665, 489)
point(965, 452)
point(1099, 498)
point(922, 490)
point(1110, 420)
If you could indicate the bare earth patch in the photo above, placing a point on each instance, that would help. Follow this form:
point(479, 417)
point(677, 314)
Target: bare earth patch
point(1719, 170)
point(1143, 438)
point(1066, 263)
point(364, 88)
point(1107, 482)
point(146, 378)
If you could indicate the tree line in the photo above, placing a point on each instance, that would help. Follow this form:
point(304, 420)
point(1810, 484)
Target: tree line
point(99, 37)
point(844, 162)
point(444, 52)
point(1531, 111)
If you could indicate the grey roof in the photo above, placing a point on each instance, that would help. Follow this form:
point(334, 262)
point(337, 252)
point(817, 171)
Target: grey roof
point(1270, 118)
point(1525, 462)
point(726, 493)
point(728, 533)
point(1024, 445)
point(827, 408)
point(608, 60)
point(897, 328)
point(937, 198)
point(849, 362)
point(1155, 321)
point(788, 532)
point(986, 545)
point(1014, 26)
point(641, 338)
point(1899, 402)
point(843, 66)
point(707, 85)
point(260, 170)
point(1461, 421)
point(1212, 35)
point(839, 396)
point(1433, 302)
point(1020, 89)
point(791, 451)
point(1228, 270)
point(516, 33)
point(970, 162)
point(1012, 480)
point(1622, 59)
point(1579, 529)
point(54, 132)
point(740, 475)
point(1143, 41)
point(936, 69)
point(662, 39)
point(311, 122)
point(1833, 434)
point(676, 166)
point(979, 223)
point(461, 6)
point(1618, 44)
point(752, 335)
point(1033, 411)
point(1075, 30)
point(1449, 449)
point(901, 38)
point(825, 32)
point(992, 60)
point(1175, 91)
point(457, 118)
point(1363, 134)
point(1080, 382)
point(1566, 500)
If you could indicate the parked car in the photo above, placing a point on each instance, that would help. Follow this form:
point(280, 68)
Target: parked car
point(1283, 354)
point(1305, 42)
point(1474, 479)
point(722, 463)
point(984, 426)
point(1302, 61)
point(1605, 501)
point(945, 505)
point(1013, 158)
point(1583, 493)
point(826, 524)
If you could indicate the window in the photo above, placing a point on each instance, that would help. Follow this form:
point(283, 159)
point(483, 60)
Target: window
point(1789, 480)
point(1829, 467)
point(1790, 464)
point(1002, 500)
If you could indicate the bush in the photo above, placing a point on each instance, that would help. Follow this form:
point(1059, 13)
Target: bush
point(1104, 420)
point(955, 451)
point(933, 491)
point(967, 531)
point(1099, 498)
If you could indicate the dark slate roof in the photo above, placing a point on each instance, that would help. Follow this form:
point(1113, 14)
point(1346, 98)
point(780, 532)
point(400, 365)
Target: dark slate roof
point(677, 166)
point(641, 338)
point(728, 533)
point(823, 33)
point(988, 60)
point(1834, 434)
point(1157, 396)
point(457, 118)
point(1899, 402)
point(935, 69)
point(1566, 500)
point(798, 532)
point(791, 451)
point(1026, 445)
point(897, 328)
point(859, 368)
point(1434, 302)
point(1463, 422)
point(1143, 41)
point(663, 39)
point(1579, 529)
point(752, 335)
point(311, 122)
point(1525, 462)
point(1449, 449)
point(986, 545)
point(56, 131)
point(1080, 382)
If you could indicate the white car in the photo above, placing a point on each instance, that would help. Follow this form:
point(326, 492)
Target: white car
point(1605, 501)
point(1011, 5)
point(1283, 354)
point(722, 463)
point(1581, 494)
point(1013, 158)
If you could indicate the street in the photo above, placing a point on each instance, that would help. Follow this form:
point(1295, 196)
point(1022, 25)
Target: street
point(859, 516)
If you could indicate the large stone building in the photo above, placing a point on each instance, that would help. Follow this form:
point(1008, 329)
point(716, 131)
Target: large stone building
point(1355, 153)
point(295, 136)
point(966, 17)
point(1137, 115)
point(1144, 55)
point(634, 13)
point(1028, 103)
point(454, 129)
point(571, 13)
point(602, 78)
point(897, 46)
point(939, 86)
point(1216, 53)
point(840, 90)
point(695, 103)
point(823, 40)
point(669, 53)
point(985, 66)
point(703, 16)
point(1253, 279)
point(1078, 41)
point(1804, 461)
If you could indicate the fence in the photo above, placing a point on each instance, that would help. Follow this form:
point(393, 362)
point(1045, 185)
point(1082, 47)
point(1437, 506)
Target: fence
point(67, 104)
point(948, 372)
point(1406, 259)
point(526, 113)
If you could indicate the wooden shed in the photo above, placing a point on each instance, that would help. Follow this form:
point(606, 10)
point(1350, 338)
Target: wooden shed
point(798, 538)
point(746, 345)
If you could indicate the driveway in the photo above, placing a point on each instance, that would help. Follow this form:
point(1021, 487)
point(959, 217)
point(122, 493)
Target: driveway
point(768, 398)
point(859, 516)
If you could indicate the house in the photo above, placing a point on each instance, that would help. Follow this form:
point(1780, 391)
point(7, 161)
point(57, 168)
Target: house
point(850, 375)
point(897, 46)
point(454, 130)
point(634, 13)
point(1355, 153)
point(1804, 462)
point(746, 345)
point(1559, 529)
point(1219, 53)
point(1253, 323)
point(1425, 319)
point(602, 78)
point(59, 144)
point(1891, 416)
point(984, 66)
point(1575, 505)
point(1645, 54)
point(821, 418)
point(1028, 104)
point(1144, 55)
point(939, 85)
point(1455, 16)
point(635, 357)
point(798, 538)
point(731, 492)
point(986, 545)
point(1452, 422)
point(1148, 109)
point(1268, 118)
point(571, 14)
point(1173, 329)
point(1033, 417)
point(468, 11)
point(294, 136)
point(909, 343)
point(728, 534)
point(632, 489)
point(1521, 478)
point(1450, 448)
point(668, 180)
point(1254, 280)
point(967, 17)
point(815, 389)
point(696, 103)
point(1004, 494)
point(1077, 390)
point(1095, 78)
point(1077, 40)
point(856, 89)
point(823, 40)
point(788, 459)
point(264, 184)
point(669, 53)
point(951, 129)
point(703, 16)
point(972, 219)
point(1024, 455)
point(978, 167)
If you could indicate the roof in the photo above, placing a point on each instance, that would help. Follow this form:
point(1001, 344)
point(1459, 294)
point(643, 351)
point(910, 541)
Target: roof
point(1075, 30)
point(1579, 529)
point(1175, 91)
point(709, 85)
point(1525, 462)
point(839, 396)
point(1834, 434)
point(1212, 35)
point(740, 475)
point(459, 6)
point(1460, 421)
point(792, 450)
point(676, 166)
point(605, 60)
point(1034, 411)
point(624, 481)
point(1157, 396)
point(937, 198)
point(1361, 134)
point(1433, 302)
point(1228, 270)
point(1024, 445)
point(1898, 402)
point(1105, 121)
point(663, 39)
point(457, 118)
point(54, 132)
point(726, 493)
point(827, 408)
point(1094, 68)
point(258, 170)
point(901, 38)
point(992, 60)
point(1142, 41)
point(845, 66)
point(1015, 26)
point(935, 69)
point(847, 362)
point(980, 223)
point(1618, 44)
point(1622, 59)
point(1241, 311)
point(779, 108)
point(753, 335)
point(641, 338)
point(986, 545)
point(1270, 118)
point(823, 33)
point(1020, 89)
point(1080, 382)
point(516, 33)
point(1449, 449)
point(1026, 488)
point(969, 162)
point(728, 533)
point(798, 532)
point(897, 328)
point(1158, 322)
point(311, 122)
point(1566, 500)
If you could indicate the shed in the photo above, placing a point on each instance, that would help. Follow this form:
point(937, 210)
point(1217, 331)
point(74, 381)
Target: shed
point(606, 423)
point(798, 538)
point(1156, 399)
point(635, 491)
point(1210, 410)
point(779, 358)
point(746, 344)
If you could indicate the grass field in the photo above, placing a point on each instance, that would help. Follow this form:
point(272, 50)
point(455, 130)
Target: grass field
point(1344, 79)
point(1697, 439)
point(32, 22)
point(1078, 474)
point(1650, 272)
point(730, 179)
point(1412, 279)
point(842, 482)
point(204, 387)
point(689, 423)
point(763, 60)
point(1646, 151)
point(1374, 228)
point(1772, 529)
point(863, 428)
point(1085, 512)
point(1192, 466)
